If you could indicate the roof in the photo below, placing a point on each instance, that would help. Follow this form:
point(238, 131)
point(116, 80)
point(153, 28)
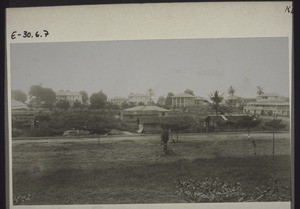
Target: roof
point(185, 95)
point(118, 98)
point(232, 97)
point(269, 103)
point(16, 105)
point(147, 108)
point(268, 95)
point(67, 93)
point(168, 120)
point(200, 98)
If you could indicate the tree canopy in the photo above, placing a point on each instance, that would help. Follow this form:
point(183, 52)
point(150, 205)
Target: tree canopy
point(62, 104)
point(231, 90)
point(275, 124)
point(19, 95)
point(260, 90)
point(168, 102)
point(85, 97)
point(42, 97)
point(98, 100)
point(189, 91)
point(216, 99)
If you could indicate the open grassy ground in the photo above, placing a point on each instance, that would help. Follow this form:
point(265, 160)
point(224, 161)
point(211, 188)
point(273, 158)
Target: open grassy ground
point(133, 169)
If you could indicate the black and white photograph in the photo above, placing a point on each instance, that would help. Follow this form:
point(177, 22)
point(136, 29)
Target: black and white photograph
point(119, 115)
point(151, 121)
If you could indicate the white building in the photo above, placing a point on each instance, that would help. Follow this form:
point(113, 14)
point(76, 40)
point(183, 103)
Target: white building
point(268, 104)
point(71, 97)
point(139, 98)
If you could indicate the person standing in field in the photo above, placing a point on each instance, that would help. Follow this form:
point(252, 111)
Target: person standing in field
point(164, 140)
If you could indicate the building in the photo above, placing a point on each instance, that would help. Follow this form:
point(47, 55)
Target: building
point(270, 104)
point(118, 100)
point(71, 97)
point(233, 101)
point(183, 100)
point(139, 98)
point(22, 116)
point(133, 114)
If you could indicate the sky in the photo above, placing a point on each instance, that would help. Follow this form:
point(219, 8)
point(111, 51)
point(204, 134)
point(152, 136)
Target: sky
point(121, 67)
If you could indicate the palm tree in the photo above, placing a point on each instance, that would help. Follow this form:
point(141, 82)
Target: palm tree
point(259, 90)
point(216, 99)
point(231, 91)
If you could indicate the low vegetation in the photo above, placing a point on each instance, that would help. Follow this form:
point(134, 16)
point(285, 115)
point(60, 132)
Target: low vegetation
point(133, 169)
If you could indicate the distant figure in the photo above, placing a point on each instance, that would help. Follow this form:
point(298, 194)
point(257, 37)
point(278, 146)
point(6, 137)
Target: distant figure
point(164, 140)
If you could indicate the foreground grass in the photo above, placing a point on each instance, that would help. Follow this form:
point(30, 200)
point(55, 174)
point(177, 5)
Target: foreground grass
point(134, 170)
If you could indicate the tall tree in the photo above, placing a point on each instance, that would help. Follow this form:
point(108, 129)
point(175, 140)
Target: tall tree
point(42, 97)
point(260, 90)
point(150, 93)
point(275, 125)
point(231, 90)
point(189, 91)
point(98, 100)
point(19, 95)
point(168, 103)
point(85, 97)
point(216, 99)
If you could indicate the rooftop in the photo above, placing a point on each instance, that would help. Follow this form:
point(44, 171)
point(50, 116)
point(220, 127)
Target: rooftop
point(67, 93)
point(268, 95)
point(15, 105)
point(186, 95)
point(147, 108)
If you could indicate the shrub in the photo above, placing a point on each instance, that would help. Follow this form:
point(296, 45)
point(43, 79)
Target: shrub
point(209, 190)
point(16, 132)
point(21, 199)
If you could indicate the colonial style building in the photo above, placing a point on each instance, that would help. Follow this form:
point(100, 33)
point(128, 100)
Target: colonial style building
point(71, 97)
point(187, 100)
point(233, 101)
point(118, 100)
point(139, 98)
point(268, 104)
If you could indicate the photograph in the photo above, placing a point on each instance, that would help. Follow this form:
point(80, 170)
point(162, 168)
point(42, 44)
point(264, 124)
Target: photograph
point(151, 121)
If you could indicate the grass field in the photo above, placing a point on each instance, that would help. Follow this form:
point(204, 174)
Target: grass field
point(133, 169)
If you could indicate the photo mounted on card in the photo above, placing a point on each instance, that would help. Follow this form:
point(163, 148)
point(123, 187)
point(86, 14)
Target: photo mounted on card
point(168, 105)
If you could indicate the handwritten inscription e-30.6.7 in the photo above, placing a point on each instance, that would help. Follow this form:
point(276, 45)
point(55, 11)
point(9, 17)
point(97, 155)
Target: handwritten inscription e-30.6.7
point(27, 34)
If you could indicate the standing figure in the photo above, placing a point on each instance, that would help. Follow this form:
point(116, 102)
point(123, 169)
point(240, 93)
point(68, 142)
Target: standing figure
point(164, 140)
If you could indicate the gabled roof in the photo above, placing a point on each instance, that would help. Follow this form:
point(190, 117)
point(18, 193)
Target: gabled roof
point(184, 95)
point(168, 120)
point(16, 105)
point(147, 108)
point(269, 95)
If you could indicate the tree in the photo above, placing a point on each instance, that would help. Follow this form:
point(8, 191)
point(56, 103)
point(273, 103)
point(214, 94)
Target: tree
point(141, 104)
point(259, 90)
point(85, 97)
point(231, 91)
point(216, 99)
point(63, 104)
point(168, 103)
point(189, 91)
point(275, 125)
point(42, 97)
point(19, 95)
point(249, 123)
point(98, 100)
point(150, 93)
point(77, 104)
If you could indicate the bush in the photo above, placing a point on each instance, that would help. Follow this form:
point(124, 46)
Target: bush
point(16, 132)
point(209, 190)
point(214, 190)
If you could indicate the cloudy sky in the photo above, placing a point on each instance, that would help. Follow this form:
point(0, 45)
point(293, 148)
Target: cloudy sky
point(121, 67)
